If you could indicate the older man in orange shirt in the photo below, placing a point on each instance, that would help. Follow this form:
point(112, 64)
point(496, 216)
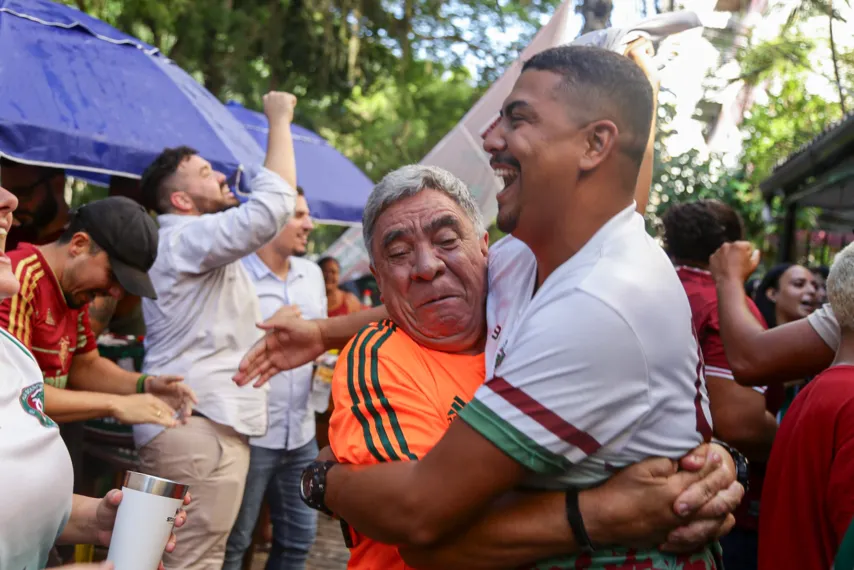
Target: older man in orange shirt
point(399, 383)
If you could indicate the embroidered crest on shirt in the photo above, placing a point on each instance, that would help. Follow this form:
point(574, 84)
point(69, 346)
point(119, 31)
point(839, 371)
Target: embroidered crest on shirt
point(499, 358)
point(49, 319)
point(32, 400)
point(64, 352)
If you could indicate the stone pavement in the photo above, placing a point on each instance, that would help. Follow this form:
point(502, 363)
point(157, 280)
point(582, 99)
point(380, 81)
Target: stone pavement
point(328, 553)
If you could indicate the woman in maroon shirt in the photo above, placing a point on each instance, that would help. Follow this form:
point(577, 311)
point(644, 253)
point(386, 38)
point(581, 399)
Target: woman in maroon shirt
point(742, 416)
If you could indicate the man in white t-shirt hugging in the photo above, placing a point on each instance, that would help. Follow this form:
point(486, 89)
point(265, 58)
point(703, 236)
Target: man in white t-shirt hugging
point(592, 364)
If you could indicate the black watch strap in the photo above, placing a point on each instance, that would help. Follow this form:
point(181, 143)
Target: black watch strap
point(576, 523)
point(313, 485)
point(742, 465)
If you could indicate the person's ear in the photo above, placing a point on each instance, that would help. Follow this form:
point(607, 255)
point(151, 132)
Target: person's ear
point(600, 139)
point(181, 201)
point(771, 294)
point(80, 243)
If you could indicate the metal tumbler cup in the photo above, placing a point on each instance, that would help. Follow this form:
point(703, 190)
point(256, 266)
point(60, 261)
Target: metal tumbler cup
point(144, 521)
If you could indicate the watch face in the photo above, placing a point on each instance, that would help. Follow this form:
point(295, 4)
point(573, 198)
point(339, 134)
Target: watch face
point(306, 483)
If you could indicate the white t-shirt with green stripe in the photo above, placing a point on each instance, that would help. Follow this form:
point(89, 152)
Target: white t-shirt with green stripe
point(36, 478)
point(599, 369)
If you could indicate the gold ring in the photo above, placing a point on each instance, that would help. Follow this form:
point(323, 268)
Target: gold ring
point(159, 413)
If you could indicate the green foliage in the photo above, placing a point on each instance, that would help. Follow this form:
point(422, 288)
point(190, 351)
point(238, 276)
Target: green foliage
point(691, 176)
point(494, 234)
point(325, 48)
point(777, 57)
point(323, 236)
point(398, 123)
point(792, 118)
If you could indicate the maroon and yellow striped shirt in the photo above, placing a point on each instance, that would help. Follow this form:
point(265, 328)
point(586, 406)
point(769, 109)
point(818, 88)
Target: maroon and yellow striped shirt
point(39, 317)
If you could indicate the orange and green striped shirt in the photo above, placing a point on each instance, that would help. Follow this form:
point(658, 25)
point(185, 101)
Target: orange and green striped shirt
point(394, 399)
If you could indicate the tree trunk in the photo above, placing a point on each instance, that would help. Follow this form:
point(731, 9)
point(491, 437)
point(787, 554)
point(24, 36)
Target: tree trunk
point(596, 14)
point(835, 59)
point(354, 44)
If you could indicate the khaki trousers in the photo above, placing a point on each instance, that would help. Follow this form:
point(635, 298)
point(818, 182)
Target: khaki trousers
point(213, 460)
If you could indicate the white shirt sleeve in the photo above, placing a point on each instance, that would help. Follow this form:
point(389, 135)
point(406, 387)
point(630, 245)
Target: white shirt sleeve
point(571, 380)
point(825, 324)
point(215, 240)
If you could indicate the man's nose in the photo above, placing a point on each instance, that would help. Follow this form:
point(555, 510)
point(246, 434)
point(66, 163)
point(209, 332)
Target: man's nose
point(427, 265)
point(494, 141)
point(220, 177)
point(8, 201)
point(309, 223)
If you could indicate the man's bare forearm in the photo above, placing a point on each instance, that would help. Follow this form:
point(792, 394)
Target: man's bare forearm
point(644, 183)
point(336, 332)
point(520, 529)
point(757, 356)
point(81, 527)
point(414, 503)
point(280, 151)
point(94, 373)
point(64, 406)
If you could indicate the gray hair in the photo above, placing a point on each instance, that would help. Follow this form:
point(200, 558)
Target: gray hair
point(408, 181)
point(840, 287)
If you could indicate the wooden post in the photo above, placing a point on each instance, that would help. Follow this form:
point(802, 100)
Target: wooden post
point(787, 249)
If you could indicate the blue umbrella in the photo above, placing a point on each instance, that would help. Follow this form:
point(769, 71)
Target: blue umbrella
point(78, 94)
point(335, 188)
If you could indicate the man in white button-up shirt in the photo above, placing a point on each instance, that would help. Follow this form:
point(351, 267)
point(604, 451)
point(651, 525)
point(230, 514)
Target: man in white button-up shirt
point(204, 320)
point(278, 458)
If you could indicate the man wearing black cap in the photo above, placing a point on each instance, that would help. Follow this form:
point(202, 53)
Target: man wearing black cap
point(107, 249)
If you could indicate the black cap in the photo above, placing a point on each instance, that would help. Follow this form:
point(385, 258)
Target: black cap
point(123, 229)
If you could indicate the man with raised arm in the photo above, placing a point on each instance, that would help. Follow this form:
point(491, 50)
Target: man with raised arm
point(203, 321)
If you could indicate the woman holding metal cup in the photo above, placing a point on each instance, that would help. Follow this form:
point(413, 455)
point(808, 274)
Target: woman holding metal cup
point(39, 507)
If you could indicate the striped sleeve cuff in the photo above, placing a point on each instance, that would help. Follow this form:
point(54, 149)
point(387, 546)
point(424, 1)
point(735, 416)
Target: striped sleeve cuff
point(727, 374)
point(719, 372)
point(511, 441)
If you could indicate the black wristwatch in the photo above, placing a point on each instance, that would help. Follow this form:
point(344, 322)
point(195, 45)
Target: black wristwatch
point(312, 485)
point(742, 465)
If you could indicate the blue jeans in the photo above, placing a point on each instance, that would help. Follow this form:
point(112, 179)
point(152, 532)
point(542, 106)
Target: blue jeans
point(275, 472)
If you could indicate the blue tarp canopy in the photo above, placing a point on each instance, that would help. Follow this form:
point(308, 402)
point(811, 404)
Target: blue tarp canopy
point(335, 188)
point(76, 93)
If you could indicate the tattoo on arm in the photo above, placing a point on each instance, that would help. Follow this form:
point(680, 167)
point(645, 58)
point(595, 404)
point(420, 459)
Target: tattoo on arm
point(101, 312)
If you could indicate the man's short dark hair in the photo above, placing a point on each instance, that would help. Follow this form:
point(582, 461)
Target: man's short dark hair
point(693, 231)
point(606, 84)
point(76, 226)
point(155, 191)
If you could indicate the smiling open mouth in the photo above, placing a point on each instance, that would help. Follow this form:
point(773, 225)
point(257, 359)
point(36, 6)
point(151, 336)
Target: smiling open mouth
point(507, 175)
